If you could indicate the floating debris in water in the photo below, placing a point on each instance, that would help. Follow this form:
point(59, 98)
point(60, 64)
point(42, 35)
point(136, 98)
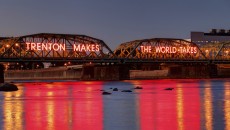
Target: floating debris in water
point(106, 93)
point(115, 89)
point(138, 87)
point(168, 88)
point(126, 91)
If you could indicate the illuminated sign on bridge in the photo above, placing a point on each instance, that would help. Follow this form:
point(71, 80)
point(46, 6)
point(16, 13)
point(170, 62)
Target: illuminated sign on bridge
point(81, 48)
point(61, 47)
point(158, 49)
point(168, 49)
point(53, 47)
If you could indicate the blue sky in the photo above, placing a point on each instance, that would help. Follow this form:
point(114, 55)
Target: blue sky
point(114, 21)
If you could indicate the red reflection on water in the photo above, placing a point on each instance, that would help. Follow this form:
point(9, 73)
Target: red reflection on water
point(87, 106)
point(169, 110)
point(74, 105)
point(191, 105)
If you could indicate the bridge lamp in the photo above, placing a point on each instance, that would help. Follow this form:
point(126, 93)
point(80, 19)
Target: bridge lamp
point(6, 67)
point(226, 53)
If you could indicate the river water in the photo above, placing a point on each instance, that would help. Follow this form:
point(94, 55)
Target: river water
point(80, 105)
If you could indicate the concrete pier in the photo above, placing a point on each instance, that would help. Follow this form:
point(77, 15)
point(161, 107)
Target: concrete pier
point(105, 72)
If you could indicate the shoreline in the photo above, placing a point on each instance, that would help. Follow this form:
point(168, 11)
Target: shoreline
point(69, 80)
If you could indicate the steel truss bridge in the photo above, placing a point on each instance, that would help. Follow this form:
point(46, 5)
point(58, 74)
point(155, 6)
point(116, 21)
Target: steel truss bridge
point(46, 47)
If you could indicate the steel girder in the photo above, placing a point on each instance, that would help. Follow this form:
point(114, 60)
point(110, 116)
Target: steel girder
point(132, 50)
point(217, 51)
point(16, 49)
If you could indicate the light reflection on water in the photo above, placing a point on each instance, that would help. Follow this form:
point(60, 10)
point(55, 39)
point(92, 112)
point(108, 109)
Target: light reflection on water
point(192, 104)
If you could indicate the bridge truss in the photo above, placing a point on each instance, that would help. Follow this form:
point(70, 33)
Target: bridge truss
point(161, 50)
point(47, 47)
point(53, 47)
point(217, 52)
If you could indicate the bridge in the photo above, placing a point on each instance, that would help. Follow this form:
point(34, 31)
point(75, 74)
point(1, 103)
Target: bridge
point(47, 47)
point(146, 58)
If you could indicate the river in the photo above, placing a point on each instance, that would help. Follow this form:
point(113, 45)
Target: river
point(192, 104)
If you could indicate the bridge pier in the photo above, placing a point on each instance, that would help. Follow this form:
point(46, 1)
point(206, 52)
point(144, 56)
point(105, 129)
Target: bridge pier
point(105, 72)
point(2, 68)
point(213, 70)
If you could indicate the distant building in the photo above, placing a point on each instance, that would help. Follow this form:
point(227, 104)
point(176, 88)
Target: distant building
point(212, 37)
point(189, 40)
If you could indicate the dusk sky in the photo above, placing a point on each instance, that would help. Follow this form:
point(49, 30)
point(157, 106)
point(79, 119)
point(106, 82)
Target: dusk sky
point(114, 21)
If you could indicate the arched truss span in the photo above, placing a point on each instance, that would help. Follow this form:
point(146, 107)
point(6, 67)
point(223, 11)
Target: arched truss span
point(160, 49)
point(46, 46)
point(216, 51)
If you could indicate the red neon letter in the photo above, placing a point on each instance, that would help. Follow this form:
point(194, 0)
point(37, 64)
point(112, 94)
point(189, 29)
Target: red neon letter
point(27, 45)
